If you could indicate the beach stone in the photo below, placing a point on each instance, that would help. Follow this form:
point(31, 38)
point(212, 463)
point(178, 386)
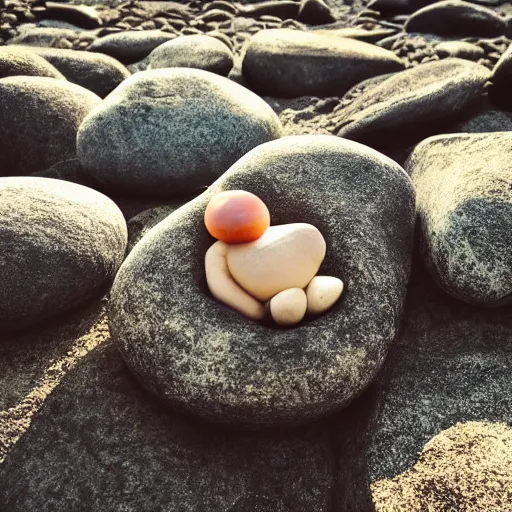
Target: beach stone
point(322, 293)
point(130, 46)
point(61, 243)
point(170, 132)
point(423, 99)
point(83, 16)
point(283, 9)
point(200, 52)
point(206, 358)
point(31, 35)
point(390, 7)
point(286, 256)
point(464, 188)
point(460, 49)
point(97, 72)
point(17, 61)
point(289, 306)
point(501, 80)
point(455, 18)
point(487, 119)
point(292, 63)
point(315, 12)
point(29, 107)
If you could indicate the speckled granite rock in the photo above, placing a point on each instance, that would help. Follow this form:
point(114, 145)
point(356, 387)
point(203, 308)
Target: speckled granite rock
point(451, 364)
point(130, 46)
point(170, 132)
point(427, 97)
point(222, 366)
point(19, 61)
point(29, 106)
point(464, 188)
point(136, 455)
point(61, 243)
point(200, 52)
point(455, 18)
point(291, 63)
point(94, 71)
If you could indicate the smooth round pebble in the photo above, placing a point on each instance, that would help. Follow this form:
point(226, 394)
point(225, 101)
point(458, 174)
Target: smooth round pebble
point(289, 306)
point(169, 132)
point(194, 51)
point(322, 292)
point(61, 243)
point(283, 257)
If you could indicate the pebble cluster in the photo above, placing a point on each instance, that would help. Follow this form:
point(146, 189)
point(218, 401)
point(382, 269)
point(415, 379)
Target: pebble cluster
point(377, 133)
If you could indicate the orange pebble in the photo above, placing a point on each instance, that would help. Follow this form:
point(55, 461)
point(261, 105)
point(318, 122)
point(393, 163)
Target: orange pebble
point(236, 217)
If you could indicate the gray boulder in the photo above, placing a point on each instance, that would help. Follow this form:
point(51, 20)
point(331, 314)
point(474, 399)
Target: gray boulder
point(39, 120)
point(16, 61)
point(130, 46)
point(172, 131)
point(463, 184)
point(426, 98)
point(454, 18)
point(291, 63)
point(199, 51)
point(99, 73)
point(61, 243)
point(205, 358)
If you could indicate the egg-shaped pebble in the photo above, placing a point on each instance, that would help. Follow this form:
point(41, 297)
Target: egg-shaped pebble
point(322, 292)
point(289, 306)
point(286, 256)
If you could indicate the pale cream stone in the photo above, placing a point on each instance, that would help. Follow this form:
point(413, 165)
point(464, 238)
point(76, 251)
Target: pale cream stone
point(289, 306)
point(322, 292)
point(286, 256)
point(223, 286)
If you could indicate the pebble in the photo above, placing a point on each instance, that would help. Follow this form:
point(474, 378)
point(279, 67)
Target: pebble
point(18, 61)
point(501, 80)
point(97, 72)
point(199, 52)
point(463, 185)
point(433, 92)
point(460, 49)
point(40, 119)
point(173, 131)
point(289, 306)
point(455, 18)
point(82, 16)
point(322, 293)
point(315, 12)
point(130, 46)
point(61, 244)
point(284, 257)
point(291, 63)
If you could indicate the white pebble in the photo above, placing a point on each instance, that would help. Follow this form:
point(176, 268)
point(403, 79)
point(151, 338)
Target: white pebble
point(289, 306)
point(322, 292)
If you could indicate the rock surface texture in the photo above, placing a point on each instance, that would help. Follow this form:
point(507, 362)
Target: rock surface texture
point(464, 188)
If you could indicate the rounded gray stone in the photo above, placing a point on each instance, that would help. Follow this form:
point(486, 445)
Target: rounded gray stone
point(460, 49)
point(464, 189)
point(200, 52)
point(97, 72)
point(455, 18)
point(16, 61)
point(291, 63)
point(130, 46)
point(426, 96)
point(172, 131)
point(202, 357)
point(39, 120)
point(61, 243)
